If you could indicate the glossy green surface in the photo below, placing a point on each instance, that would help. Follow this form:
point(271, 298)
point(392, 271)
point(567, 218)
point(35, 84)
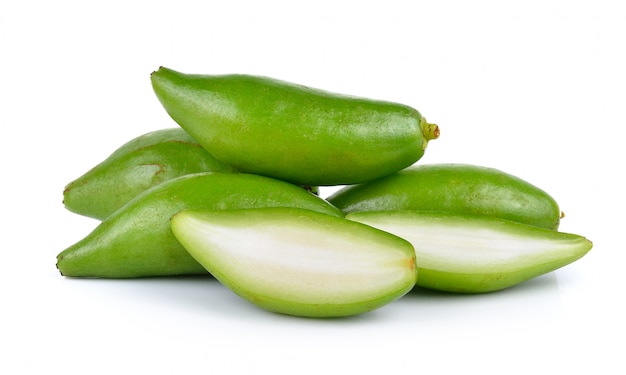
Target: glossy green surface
point(139, 164)
point(299, 262)
point(456, 188)
point(292, 132)
point(477, 254)
point(136, 240)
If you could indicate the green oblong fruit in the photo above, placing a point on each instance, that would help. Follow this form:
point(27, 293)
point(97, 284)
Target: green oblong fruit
point(477, 254)
point(136, 240)
point(139, 164)
point(299, 262)
point(456, 188)
point(291, 132)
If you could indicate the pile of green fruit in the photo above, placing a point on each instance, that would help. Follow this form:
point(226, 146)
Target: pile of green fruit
point(233, 192)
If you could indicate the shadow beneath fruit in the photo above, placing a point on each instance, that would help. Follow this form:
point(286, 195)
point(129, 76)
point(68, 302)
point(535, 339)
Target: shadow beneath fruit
point(199, 295)
point(535, 300)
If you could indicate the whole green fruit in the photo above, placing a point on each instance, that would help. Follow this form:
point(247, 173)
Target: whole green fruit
point(456, 188)
point(139, 164)
point(291, 132)
point(136, 240)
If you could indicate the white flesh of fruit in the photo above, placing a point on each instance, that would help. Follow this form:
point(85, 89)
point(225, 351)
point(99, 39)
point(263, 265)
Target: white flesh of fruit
point(490, 249)
point(298, 256)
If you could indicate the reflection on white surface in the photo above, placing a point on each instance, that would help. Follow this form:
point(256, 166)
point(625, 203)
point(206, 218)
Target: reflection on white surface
point(205, 298)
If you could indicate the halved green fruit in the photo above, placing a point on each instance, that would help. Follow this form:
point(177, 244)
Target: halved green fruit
point(299, 262)
point(474, 254)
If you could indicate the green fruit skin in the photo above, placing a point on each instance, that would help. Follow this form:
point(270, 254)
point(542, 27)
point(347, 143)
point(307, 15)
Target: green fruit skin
point(136, 240)
point(496, 274)
point(456, 188)
point(291, 132)
point(317, 298)
point(139, 164)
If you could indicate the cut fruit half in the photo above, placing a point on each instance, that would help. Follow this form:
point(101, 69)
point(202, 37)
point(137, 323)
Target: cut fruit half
point(474, 254)
point(299, 262)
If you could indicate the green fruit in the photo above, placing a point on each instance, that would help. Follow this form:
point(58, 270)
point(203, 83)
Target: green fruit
point(136, 240)
point(476, 254)
point(299, 262)
point(456, 188)
point(294, 133)
point(139, 164)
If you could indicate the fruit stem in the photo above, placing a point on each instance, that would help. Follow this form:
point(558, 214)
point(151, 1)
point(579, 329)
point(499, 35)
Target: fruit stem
point(429, 132)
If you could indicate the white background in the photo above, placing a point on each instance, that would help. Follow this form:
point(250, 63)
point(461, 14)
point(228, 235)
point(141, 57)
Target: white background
point(534, 88)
